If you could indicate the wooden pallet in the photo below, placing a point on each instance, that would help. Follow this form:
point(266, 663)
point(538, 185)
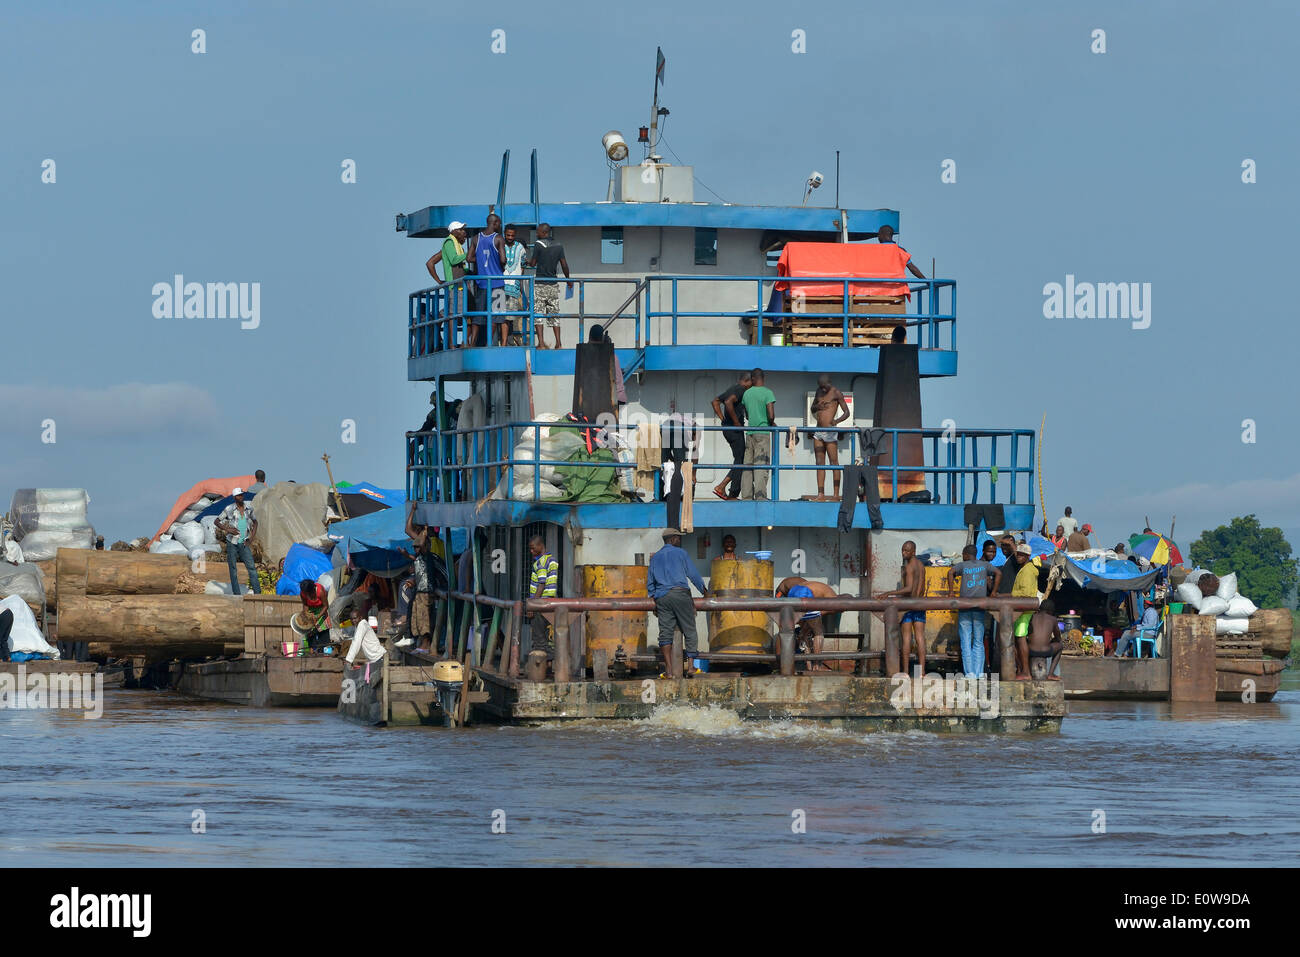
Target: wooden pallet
point(806, 331)
point(1238, 646)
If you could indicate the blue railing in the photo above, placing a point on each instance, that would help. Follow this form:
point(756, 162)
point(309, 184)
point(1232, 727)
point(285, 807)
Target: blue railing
point(961, 466)
point(445, 316)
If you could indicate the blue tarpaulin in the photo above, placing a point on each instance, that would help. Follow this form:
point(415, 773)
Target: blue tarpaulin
point(301, 562)
point(1110, 574)
point(373, 541)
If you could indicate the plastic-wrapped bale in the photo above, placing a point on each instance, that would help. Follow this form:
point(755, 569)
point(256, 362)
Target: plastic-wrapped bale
point(209, 524)
point(1224, 625)
point(169, 547)
point(189, 534)
point(1213, 605)
point(26, 581)
point(47, 509)
point(43, 544)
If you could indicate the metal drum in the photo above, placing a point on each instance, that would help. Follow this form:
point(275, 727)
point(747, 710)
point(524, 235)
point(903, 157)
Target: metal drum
point(940, 626)
point(740, 632)
point(614, 629)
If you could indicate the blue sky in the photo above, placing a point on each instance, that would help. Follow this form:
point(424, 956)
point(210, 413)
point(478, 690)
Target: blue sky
point(1118, 167)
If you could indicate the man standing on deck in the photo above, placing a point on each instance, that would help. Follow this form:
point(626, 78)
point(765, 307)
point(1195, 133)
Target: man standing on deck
point(760, 410)
point(547, 255)
point(487, 252)
point(544, 583)
point(259, 485)
point(973, 582)
point(731, 411)
point(516, 252)
point(1068, 521)
point(829, 409)
point(452, 256)
point(239, 525)
point(913, 624)
point(1025, 586)
point(668, 582)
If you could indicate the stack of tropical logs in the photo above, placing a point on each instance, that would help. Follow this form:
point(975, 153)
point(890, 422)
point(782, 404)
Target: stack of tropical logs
point(1272, 628)
point(124, 603)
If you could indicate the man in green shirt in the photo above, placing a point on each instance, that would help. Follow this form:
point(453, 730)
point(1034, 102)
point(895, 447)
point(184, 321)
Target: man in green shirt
point(760, 410)
point(452, 255)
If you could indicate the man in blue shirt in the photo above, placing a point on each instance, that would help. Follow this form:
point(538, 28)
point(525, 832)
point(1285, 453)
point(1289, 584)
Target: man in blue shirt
point(668, 582)
point(1146, 627)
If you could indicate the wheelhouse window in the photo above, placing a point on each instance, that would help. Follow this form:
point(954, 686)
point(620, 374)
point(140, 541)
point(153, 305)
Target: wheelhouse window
point(611, 245)
point(706, 246)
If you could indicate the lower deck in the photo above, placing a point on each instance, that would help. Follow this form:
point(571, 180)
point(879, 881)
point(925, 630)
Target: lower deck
point(264, 681)
point(837, 700)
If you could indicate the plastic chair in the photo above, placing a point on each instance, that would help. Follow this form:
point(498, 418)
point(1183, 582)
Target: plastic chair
point(1148, 635)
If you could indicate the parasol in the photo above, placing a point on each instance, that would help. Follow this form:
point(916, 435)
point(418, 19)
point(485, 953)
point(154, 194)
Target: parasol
point(1156, 549)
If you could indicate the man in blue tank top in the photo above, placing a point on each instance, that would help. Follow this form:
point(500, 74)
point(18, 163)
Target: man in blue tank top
point(488, 253)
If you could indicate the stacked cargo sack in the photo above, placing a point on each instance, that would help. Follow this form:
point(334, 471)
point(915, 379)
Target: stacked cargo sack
point(47, 519)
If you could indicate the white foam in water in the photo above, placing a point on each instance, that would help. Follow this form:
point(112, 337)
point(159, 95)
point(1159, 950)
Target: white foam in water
point(713, 721)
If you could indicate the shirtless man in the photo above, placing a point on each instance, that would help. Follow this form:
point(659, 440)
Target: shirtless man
point(913, 625)
point(829, 409)
point(1043, 637)
point(797, 587)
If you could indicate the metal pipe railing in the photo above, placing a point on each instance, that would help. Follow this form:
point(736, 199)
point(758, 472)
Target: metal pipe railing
point(1005, 608)
point(439, 317)
point(479, 476)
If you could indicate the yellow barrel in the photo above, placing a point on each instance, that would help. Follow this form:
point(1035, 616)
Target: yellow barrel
point(940, 626)
point(740, 632)
point(610, 629)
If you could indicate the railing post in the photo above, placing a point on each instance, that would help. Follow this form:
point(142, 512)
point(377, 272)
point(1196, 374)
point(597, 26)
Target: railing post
point(846, 340)
point(510, 661)
point(774, 464)
point(1007, 641)
point(785, 640)
point(674, 281)
point(893, 641)
point(563, 670)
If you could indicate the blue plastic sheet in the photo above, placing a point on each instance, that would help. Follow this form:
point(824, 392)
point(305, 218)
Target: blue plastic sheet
point(302, 562)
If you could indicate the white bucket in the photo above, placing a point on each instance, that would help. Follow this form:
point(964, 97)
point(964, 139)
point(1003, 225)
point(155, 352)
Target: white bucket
point(778, 338)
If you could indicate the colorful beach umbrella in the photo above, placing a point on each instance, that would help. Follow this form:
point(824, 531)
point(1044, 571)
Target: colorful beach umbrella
point(1156, 549)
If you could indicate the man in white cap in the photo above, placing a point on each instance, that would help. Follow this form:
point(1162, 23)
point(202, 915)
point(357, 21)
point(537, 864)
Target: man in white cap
point(239, 525)
point(452, 256)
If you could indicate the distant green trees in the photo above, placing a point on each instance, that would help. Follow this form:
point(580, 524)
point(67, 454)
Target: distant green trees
point(1261, 558)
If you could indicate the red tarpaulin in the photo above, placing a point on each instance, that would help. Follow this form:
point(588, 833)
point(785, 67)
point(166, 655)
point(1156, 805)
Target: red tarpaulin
point(214, 486)
point(877, 261)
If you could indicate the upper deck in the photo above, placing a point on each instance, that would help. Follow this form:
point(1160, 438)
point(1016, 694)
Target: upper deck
point(679, 286)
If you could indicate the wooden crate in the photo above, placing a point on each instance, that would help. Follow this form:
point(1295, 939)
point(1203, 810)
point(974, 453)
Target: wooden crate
point(810, 331)
point(1238, 646)
point(266, 622)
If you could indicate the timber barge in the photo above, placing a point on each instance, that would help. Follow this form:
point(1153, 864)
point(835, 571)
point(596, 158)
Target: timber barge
point(687, 294)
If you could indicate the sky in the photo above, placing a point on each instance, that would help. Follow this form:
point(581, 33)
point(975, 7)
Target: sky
point(225, 166)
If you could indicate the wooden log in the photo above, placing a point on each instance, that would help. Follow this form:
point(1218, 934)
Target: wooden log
point(47, 573)
point(84, 571)
point(1247, 666)
point(154, 624)
point(1273, 626)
